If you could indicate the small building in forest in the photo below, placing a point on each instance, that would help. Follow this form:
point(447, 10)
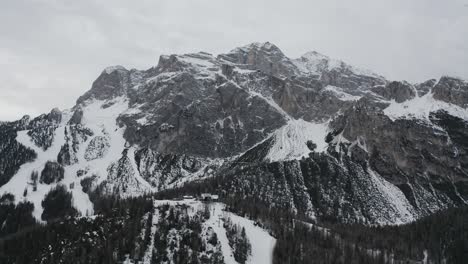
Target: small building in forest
point(209, 197)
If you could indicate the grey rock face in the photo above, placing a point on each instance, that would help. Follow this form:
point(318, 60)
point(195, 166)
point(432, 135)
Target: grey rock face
point(398, 91)
point(74, 136)
point(415, 156)
point(452, 90)
point(163, 171)
point(425, 87)
point(97, 148)
point(265, 57)
point(206, 116)
point(112, 82)
point(121, 179)
point(76, 117)
point(42, 128)
point(307, 101)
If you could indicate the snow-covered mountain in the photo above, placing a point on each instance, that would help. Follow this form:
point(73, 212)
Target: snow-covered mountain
point(313, 134)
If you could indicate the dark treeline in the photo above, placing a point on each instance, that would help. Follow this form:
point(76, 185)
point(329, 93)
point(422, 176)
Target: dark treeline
point(180, 238)
point(57, 204)
point(298, 241)
point(105, 238)
point(238, 241)
point(14, 217)
point(444, 235)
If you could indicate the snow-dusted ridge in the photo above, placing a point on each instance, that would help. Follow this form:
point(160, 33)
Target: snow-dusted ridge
point(421, 107)
point(111, 69)
point(342, 95)
point(315, 63)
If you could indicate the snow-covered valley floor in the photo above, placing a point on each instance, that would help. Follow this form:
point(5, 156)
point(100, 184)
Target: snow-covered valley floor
point(261, 241)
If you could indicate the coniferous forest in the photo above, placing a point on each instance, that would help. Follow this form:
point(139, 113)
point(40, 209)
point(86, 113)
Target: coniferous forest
point(122, 228)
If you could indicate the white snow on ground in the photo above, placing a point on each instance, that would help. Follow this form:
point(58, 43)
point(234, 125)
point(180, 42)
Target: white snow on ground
point(149, 251)
point(102, 121)
point(21, 180)
point(290, 140)
point(343, 96)
point(420, 107)
point(262, 242)
point(216, 222)
point(244, 71)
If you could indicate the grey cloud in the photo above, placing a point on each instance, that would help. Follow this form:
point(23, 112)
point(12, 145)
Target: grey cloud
point(52, 50)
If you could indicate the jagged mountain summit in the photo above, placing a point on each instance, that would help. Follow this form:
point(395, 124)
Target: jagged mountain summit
point(313, 134)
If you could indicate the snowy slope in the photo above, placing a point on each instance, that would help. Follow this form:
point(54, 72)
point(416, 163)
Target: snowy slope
point(316, 63)
point(262, 242)
point(290, 141)
point(421, 107)
point(21, 180)
point(102, 122)
point(342, 95)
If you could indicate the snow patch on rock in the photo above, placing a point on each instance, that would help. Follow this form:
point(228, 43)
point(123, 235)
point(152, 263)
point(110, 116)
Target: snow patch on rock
point(343, 96)
point(290, 141)
point(97, 148)
point(421, 107)
point(316, 63)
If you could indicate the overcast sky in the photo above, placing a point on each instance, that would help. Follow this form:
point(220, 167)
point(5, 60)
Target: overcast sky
point(52, 50)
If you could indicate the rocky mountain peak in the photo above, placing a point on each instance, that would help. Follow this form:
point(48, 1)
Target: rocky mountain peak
point(452, 90)
point(112, 83)
point(315, 63)
point(398, 91)
point(265, 57)
point(266, 47)
point(111, 69)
